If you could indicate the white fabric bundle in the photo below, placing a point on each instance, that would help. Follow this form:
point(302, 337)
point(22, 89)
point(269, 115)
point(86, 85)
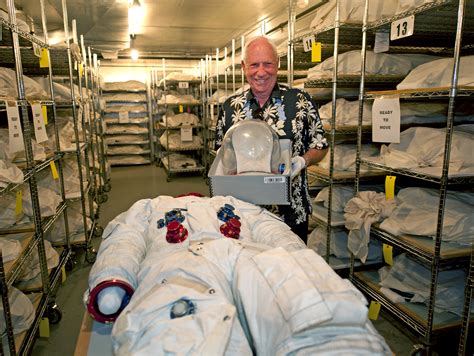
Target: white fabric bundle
point(416, 214)
point(180, 76)
point(173, 141)
point(220, 95)
point(62, 92)
point(376, 64)
point(10, 173)
point(21, 309)
point(177, 99)
point(422, 149)
point(127, 85)
point(179, 161)
point(183, 119)
point(317, 241)
point(8, 217)
point(130, 159)
point(352, 12)
point(129, 128)
point(38, 150)
point(360, 213)
point(72, 185)
point(341, 194)
point(48, 200)
point(127, 108)
point(8, 86)
point(409, 276)
point(32, 268)
point(10, 249)
point(128, 149)
point(125, 97)
point(75, 224)
point(126, 139)
point(22, 25)
point(347, 113)
point(345, 156)
point(438, 74)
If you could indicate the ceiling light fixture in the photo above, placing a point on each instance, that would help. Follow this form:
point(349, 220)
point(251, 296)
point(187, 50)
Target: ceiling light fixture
point(302, 3)
point(135, 16)
point(133, 50)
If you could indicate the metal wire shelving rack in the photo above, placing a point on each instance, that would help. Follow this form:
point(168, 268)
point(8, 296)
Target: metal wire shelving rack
point(434, 253)
point(32, 237)
point(160, 89)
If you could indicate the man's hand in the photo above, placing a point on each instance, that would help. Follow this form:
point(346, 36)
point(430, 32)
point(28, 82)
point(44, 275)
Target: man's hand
point(297, 164)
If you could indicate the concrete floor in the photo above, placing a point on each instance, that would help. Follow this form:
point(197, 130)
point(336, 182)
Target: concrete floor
point(130, 184)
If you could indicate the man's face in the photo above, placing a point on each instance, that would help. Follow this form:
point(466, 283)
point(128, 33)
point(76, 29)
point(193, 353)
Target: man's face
point(261, 68)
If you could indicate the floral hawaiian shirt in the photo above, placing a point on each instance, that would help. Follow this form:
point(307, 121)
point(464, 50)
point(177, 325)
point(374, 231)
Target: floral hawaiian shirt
point(293, 115)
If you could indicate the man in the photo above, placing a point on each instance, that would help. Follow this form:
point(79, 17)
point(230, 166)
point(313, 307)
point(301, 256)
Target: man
point(290, 112)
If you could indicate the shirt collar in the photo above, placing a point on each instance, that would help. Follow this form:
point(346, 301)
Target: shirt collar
point(275, 94)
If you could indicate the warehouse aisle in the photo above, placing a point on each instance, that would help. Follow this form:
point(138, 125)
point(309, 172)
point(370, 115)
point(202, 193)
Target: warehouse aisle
point(130, 184)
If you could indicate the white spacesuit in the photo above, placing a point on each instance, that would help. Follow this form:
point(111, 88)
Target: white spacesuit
point(200, 283)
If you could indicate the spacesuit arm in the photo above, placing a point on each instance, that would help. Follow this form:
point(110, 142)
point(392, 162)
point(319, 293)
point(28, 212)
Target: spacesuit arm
point(113, 277)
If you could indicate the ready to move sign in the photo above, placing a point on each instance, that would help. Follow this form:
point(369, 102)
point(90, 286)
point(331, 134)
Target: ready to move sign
point(386, 120)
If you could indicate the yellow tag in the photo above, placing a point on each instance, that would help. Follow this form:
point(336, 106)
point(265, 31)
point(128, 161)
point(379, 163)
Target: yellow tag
point(19, 202)
point(44, 327)
point(390, 187)
point(388, 254)
point(63, 274)
point(44, 108)
point(44, 58)
point(181, 109)
point(80, 70)
point(374, 310)
point(54, 171)
point(316, 52)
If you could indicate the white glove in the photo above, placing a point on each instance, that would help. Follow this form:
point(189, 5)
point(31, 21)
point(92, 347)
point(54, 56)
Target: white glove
point(297, 164)
point(110, 299)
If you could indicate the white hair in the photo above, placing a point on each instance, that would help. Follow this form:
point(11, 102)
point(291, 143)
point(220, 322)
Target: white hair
point(252, 40)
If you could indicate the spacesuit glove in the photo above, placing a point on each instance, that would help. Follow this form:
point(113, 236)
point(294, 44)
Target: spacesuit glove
point(297, 164)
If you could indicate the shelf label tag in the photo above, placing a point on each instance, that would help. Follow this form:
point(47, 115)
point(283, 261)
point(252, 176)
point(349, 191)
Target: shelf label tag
point(123, 117)
point(308, 43)
point(44, 327)
point(316, 52)
point(19, 202)
point(15, 135)
point(374, 310)
point(186, 134)
point(402, 28)
point(54, 170)
point(63, 274)
point(44, 109)
point(183, 85)
point(390, 187)
point(36, 50)
point(44, 58)
point(386, 120)
point(181, 108)
point(272, 180)
point(382, 42)
point(38, 123)
point(388, 254)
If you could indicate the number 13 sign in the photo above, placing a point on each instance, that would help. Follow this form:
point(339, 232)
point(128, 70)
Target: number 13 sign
point(402, 28)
